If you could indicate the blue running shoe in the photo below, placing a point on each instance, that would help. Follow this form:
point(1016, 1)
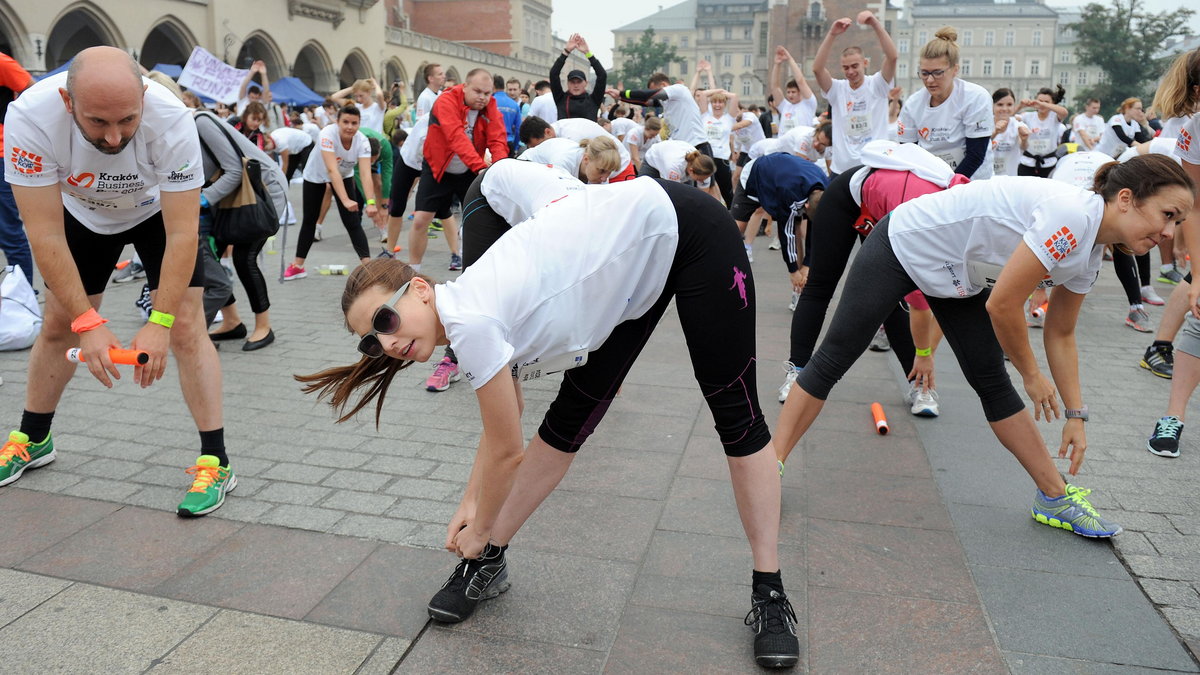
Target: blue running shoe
point(1074, 513)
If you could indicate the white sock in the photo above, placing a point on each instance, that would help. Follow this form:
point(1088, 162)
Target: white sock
point(416, 267)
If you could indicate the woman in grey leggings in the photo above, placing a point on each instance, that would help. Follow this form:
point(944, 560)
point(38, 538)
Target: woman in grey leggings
point(977, 251)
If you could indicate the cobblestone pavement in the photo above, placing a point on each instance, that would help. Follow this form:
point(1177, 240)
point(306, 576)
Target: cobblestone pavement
point(399, 483)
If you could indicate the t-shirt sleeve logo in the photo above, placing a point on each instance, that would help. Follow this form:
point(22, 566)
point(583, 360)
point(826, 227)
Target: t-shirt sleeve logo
point(1061, 243)
point(1184, 142)
point(25, 162)
point(83, 180)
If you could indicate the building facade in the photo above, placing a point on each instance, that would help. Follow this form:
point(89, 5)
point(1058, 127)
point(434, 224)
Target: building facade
point(326, 43)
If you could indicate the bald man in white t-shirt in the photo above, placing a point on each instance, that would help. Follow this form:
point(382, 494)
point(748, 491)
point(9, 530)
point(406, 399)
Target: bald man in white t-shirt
point(99, 158)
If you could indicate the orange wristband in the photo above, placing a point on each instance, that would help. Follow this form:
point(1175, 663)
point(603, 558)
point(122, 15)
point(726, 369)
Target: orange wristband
point(89, 320)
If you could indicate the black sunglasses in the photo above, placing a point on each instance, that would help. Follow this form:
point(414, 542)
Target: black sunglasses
point(385, 321)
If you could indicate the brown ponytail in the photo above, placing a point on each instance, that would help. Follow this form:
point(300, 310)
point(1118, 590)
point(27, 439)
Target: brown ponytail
point(700, 163)
point(1144, 176)
point(340, 383)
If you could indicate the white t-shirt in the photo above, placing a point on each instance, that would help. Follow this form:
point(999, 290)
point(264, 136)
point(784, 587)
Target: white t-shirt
point(1079, 168)
point(1172, 125)
point(954, 243)
point(553, 289)
point(1157, 146)
point(1109, 143)
point(107, 193)
point(1092, 125)
point(412, 152)
point(457, 165)
point(943, 130)
point(1187, 144)
point(766, 146)
point(577, 129)
point(748, 135)
point(792, 115)
point(670, 158)
point(718, 131)
point(543, 107)
point(859, 116)
point(561, 153)
point(799, 141)
point(893, 131)
point(682, 116)
point(638, 137)
point(1044, 137)
point(313, 131)
point(291, 139)
point(622, 126)
point(371, 117)
point(425, 102)
point(347, 158)
point(516, 190)
point(1004, 152)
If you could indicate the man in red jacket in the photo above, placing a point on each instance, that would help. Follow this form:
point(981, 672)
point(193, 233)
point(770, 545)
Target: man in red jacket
point(464, 125)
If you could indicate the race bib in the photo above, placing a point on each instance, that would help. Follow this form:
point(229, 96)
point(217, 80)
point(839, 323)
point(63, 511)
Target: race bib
point(537, 368)
point(858, 125)
point(714, 132)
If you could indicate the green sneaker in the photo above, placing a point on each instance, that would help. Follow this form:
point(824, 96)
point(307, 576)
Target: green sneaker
point(19, 454)
point(208, 488)
point(780, 467)
point(1073, 513)
point(436, 225)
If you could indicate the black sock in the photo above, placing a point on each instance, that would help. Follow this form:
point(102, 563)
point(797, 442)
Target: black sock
point(36, 425)
point(213, 443)
point(450, 354)
point(1162, 343)
point(772, 580)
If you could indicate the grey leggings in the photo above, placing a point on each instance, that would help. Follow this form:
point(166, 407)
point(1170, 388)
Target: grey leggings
point(876, 282)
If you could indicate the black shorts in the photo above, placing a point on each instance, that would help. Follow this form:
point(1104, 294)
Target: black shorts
point(743, 158)
point(403, 178)
point(647, 170)
point(95, 255)
point(438, 196)
point(743, 206)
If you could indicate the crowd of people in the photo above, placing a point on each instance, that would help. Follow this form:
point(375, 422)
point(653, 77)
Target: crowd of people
point(577, 215)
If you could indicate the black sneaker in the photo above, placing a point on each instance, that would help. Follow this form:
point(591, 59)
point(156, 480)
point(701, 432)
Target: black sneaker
point(774, 623)
point(1165, 441)
point(474, 580)
point(1160, 360)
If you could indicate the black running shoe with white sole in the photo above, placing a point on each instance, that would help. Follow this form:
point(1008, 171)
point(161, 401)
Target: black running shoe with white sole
point(474, 580)
point(774, 623)
point(1160, 360)
point(1165, 441)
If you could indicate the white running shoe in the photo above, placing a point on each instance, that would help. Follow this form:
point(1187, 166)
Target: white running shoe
point(788, 380)
point(750, 253)
point(795, 300)
point(774, 244)
point(880, 343)
point(924, 402)
point(1151, 297)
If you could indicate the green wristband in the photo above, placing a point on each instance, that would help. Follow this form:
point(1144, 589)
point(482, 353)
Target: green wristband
point(161, 318)
point(924, 352)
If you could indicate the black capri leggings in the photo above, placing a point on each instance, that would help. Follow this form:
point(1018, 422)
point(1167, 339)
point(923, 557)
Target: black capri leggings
point(312, 196)
point(297, 161)
point(245, 263)
point(831, 237)
point(724, 178)
point(877, 282)
point(713, 289)
point(1130, 270)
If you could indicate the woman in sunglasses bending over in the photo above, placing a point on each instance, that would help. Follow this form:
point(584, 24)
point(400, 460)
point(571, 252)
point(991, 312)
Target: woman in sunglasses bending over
point(578, 288)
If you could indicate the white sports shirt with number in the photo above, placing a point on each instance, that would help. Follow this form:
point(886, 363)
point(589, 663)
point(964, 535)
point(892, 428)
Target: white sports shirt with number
point(107, 193)
point(859, 116)
point(682, 115)
point(1044, 137)
point(944, 130)
point(552, 289)
point(792, 115)
point(718, 130)
point(1004, 152)
point(347, 158)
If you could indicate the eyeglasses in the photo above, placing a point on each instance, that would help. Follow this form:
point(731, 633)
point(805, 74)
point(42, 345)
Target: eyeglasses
point(385, 321)
point(935, 74)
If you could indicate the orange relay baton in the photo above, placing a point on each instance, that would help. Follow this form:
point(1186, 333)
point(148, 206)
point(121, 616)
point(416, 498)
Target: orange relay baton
point(125, 357)
point(881, 423)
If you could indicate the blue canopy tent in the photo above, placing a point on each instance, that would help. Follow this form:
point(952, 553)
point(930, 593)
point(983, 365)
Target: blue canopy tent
point(60, 69)
point(170, 70)
point(293, 92)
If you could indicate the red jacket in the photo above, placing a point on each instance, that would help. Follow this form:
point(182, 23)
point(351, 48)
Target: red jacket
point(447, 134)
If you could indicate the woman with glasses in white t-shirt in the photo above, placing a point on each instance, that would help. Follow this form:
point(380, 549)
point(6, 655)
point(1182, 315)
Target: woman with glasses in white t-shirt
point(950, 118)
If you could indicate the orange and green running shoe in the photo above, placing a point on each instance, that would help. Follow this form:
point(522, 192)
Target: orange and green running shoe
point(19, 454)
point(209, 486)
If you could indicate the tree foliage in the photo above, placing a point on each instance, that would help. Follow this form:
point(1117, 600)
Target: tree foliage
point(1123, 40)
point(644, 58)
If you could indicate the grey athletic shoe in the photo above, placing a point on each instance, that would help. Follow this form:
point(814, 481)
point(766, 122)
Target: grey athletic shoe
point(473, 581)
point(880, 343)
point(1160, 360)
point(1074, 513)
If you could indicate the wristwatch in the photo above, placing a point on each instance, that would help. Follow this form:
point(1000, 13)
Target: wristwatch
point(1080, 414)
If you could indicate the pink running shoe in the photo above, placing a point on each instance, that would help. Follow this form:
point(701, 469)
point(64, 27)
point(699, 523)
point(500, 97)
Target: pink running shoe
point(444, 373)
point(293, 272)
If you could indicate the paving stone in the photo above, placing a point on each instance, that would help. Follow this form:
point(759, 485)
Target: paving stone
point(298, 473)
point(1133, 543)
point(1171, 593)
point(337, 459)
point(620, 527)
point(238, 507)
point(401, 466)
point(1154, 567)
point(374, 527)
point(23, 592)
point(449, 651)
point(697, 643)
point(356, 480)
point(427, 535)
point(269, 570)
point(1030, 664)
point(34, 521)
point(422, 509)
point(139, 629)
point(359, 502)
point(682, 595)
point(879, 498)
point(49, 480)
point(252, 643)
point(439, 490)
point(1176, 545)
point(293, 493)
point(1185, 620)
point(302, 517)
point(385, 657)
point(452, 472)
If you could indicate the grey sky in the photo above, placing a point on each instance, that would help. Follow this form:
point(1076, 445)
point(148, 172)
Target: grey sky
point(595, 21)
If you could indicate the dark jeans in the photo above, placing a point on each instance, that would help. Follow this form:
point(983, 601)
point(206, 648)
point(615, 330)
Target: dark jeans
point(12, 232)
point(877, 282)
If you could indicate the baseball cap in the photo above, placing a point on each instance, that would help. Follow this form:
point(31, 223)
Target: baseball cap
point(576, 75)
